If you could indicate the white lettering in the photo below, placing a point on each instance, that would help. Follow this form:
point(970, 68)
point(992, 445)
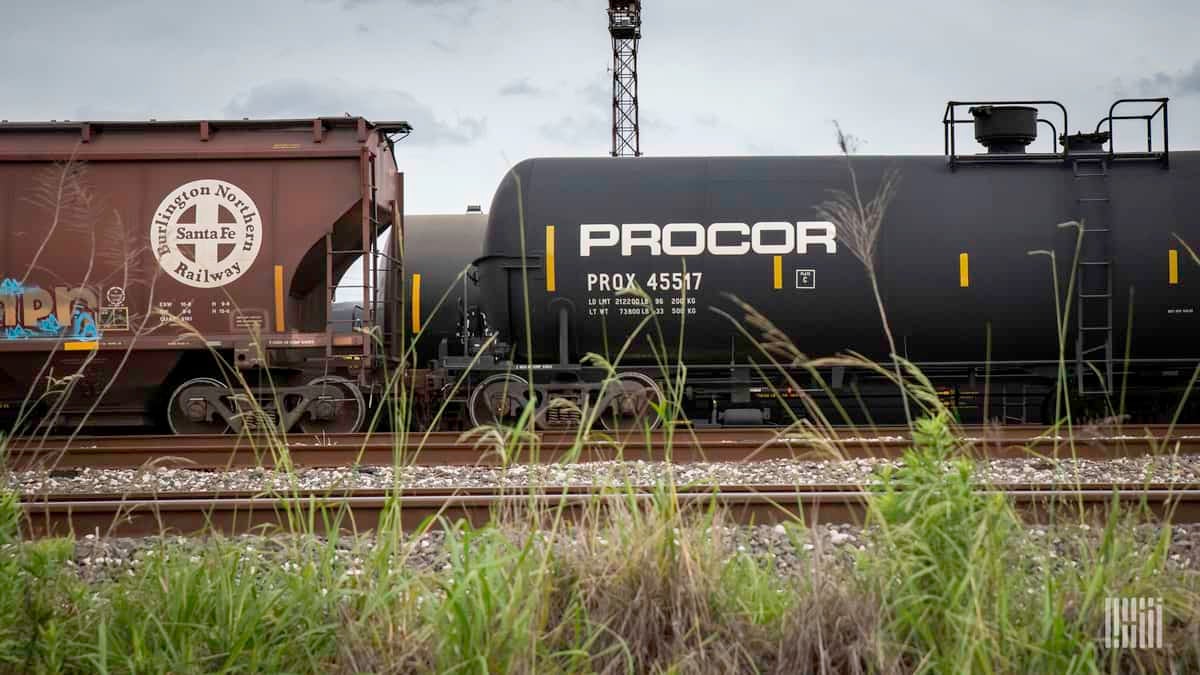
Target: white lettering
point(640, 234)
point(696, 230)
point(588, 237)
point(212, 250)
point(740, 248)
point(816, 232)
point(763, 248)
point(679, 239)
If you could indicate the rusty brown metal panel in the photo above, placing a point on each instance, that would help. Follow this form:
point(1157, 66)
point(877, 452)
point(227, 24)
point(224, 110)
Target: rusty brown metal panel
point(188, 219)
point(6, 193)
point(227, 140)
point(220, 282)
point(158, 125)
point(84, 153)
point(242, 137)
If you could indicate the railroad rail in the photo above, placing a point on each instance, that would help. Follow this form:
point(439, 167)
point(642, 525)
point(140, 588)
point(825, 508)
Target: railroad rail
point(683, 445)
point(363, 510)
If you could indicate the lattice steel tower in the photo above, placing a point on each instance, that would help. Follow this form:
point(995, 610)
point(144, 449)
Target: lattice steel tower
point(625, 26)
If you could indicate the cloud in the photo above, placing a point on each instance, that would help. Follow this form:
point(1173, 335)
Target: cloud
point(594, 125)
point(127, 110)
point(598, 93)
point(301, 99)
point(582, 130)
point(1181, 83)
point(354, 4)
point(443, 47)
point(652, 122)
point(708, 120)
point(520, 87)
point(454, 11)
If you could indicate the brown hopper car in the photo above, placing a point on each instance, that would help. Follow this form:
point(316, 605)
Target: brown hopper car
point(159, 250)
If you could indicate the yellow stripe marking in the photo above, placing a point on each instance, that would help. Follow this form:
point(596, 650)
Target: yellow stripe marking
point(551, 281)
point(964, 270)
point(1173, 267)
point(279, 299)
point(778, 264)
point(81, 346)
point(416, 303)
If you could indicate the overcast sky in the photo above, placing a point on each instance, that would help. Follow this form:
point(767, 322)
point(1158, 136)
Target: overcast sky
point(487, 83)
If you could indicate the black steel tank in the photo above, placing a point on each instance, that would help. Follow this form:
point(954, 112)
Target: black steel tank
point(955, 256)
point(437, 293)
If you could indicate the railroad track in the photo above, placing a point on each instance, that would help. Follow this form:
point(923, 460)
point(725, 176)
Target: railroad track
point(450, 448)
point(362, 510)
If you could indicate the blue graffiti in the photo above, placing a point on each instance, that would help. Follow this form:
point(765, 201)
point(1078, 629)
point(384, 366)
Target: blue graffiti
point(50, 325)
point(17, 333)
point(11, 287)
point(84, 325)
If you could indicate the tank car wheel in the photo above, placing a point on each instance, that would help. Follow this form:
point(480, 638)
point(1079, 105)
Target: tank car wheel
point(188, 414)
point(498, 400)
point(631, 401)
point(338, 409)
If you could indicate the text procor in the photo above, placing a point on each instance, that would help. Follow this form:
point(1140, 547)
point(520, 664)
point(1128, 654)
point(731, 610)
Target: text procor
point(682, 239)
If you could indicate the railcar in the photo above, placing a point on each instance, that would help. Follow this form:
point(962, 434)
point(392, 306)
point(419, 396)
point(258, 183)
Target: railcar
point(962, 259)
point(146, 266)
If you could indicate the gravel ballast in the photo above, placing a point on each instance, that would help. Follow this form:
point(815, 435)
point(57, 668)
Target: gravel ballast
point(1180, 469)
point(789, 550)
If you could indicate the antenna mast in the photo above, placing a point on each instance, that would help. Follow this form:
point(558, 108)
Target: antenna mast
point(625, 27)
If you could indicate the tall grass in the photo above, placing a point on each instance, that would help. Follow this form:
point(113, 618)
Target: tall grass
point(949, 581)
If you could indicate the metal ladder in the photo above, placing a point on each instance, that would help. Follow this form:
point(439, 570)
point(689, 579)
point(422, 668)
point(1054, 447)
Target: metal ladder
point(369, 255)
point(1094, 285)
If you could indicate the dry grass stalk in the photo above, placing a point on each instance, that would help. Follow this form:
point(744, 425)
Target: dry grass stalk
point(858, 225)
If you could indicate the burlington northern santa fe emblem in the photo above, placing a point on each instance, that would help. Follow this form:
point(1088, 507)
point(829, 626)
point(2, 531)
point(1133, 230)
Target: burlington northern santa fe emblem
point(206, 233)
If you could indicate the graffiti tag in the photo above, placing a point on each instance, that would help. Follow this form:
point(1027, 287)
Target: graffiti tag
point(27, 311)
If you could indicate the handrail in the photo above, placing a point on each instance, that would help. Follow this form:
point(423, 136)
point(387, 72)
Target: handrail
point(1148, 117)
point(949, 120)
point(1053, 133)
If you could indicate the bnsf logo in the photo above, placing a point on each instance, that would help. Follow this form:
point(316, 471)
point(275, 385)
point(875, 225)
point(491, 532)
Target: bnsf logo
point(767, 238)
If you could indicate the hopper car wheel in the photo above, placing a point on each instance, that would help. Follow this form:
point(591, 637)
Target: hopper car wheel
point(630, 407)
point(190, 414)
point(498, 400)
point(338, 409)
